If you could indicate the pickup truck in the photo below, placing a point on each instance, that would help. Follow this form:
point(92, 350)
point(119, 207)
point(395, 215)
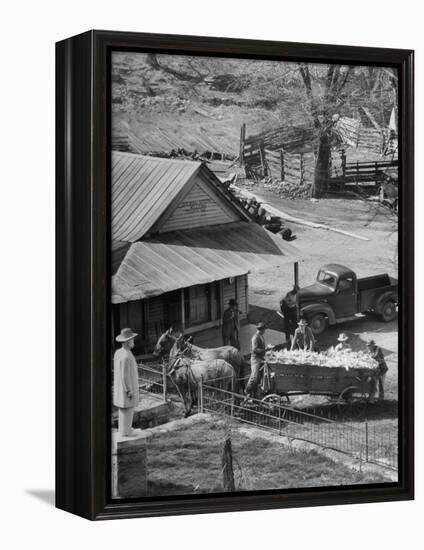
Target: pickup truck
point(337, 295)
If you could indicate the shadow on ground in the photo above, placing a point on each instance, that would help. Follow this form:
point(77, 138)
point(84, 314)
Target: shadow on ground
point(267, 316)
point(355, 411)
point(45, 495)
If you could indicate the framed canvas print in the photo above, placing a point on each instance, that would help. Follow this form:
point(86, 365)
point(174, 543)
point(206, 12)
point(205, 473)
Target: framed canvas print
point(234, 274)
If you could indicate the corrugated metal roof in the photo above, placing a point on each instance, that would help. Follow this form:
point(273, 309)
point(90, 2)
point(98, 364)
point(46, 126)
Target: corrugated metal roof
point(185, 258)
point(161, 137)
point(142, 189)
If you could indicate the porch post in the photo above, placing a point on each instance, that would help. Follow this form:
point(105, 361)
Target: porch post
point(182, 310)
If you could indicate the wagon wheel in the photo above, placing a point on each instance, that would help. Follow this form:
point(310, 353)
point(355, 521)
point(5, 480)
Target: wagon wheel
point(274, 400)
point(353, 395)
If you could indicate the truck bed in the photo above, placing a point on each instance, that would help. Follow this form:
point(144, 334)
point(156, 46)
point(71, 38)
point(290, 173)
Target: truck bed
point(376, 281)
point(371, 287)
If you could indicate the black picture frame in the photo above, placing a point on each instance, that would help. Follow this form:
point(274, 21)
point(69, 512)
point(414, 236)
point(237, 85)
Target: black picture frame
point(82, 275)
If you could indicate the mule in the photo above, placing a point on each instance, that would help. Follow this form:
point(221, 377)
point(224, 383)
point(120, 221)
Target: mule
point(229, 354)
point(187, 373)
point(165, 342)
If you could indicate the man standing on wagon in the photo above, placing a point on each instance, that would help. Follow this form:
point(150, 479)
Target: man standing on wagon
point(303, 338)
point(257, 356)
point(125, 382)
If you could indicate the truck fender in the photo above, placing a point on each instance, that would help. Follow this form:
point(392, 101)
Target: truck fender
point(390, 295)
point(325, 309)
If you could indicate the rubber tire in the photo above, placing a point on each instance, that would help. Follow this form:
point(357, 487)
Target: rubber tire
point(322, 323)
point(388, 311)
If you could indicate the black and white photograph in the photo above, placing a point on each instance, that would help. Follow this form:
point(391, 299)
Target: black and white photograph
point(254, 275)
point(211, 236)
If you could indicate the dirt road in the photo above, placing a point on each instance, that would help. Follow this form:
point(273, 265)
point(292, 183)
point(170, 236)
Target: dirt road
point(317, 247)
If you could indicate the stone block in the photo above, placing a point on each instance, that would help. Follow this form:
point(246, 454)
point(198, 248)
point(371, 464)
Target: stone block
point(149, 413)
point(129, 465)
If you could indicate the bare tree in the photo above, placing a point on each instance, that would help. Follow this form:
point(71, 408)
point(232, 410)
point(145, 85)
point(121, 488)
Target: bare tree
point(323, 106)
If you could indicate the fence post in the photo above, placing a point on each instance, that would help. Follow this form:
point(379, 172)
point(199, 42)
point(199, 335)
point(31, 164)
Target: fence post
point(302, 169)
point(232, 395)
point(242, 138)
point(279, 418)
point(227, 466)
point(343, 156)
point(263, 159)
point(164, 381)
point(366, 441)
point(282, 164)
point(201, 393)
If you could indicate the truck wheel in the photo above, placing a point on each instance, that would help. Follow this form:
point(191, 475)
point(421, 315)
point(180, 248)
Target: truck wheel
point(318, 323)
point(388, 311)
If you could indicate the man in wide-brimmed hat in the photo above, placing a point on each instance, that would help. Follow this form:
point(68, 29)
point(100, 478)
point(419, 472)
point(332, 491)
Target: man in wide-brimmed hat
point(125, 381)
point(342, 342)
point(303, 337)
point(289, 312)
point(382, 368)
point(257, 356)
point(231, 325)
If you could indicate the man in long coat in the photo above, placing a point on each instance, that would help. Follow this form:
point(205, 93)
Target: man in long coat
point(257, 356)
point(125, 382)
point(231, 325)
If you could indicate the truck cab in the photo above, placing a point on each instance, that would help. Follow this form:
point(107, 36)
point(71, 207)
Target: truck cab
point(337, 295)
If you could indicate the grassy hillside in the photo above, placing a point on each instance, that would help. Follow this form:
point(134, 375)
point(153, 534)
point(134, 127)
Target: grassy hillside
point(181, 96)
point(189, 461)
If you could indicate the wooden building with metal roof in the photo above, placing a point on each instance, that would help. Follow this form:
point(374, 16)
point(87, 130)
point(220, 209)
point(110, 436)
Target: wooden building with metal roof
point(181, 247)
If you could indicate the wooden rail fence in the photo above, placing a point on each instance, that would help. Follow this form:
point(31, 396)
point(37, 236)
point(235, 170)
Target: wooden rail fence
point(258, 152)
point(348, 173)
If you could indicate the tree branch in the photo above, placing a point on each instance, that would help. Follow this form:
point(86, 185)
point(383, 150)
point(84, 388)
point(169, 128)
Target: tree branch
point(347, 74)
point(306, 77)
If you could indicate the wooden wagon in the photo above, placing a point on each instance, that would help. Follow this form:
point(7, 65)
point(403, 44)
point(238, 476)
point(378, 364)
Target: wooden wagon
point(284, 380)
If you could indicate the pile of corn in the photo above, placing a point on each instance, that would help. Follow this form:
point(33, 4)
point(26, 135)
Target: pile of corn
point(337, 359)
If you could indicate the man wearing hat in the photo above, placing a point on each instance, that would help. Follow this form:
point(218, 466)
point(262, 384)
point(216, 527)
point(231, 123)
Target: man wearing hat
point(257, 356)
point(382, 368)
point(289, 312)
point(342, 342)
point(125, 382)
point(303, 337)
point(231, 325)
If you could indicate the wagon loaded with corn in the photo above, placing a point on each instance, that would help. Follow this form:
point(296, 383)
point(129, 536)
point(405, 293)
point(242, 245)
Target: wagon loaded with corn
point(342, 375)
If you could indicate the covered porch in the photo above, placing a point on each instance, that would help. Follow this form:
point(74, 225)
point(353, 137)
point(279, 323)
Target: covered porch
point(185, 278)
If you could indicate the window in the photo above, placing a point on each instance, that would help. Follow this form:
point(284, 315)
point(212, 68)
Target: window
point(346, 284)
point(327, 279)
point(201, 304)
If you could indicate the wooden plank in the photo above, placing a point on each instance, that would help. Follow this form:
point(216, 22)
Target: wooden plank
point(371, 117)
point(242, 143)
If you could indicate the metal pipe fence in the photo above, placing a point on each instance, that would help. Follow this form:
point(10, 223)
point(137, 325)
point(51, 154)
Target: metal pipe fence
point(361, 441)
point(153, 380)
